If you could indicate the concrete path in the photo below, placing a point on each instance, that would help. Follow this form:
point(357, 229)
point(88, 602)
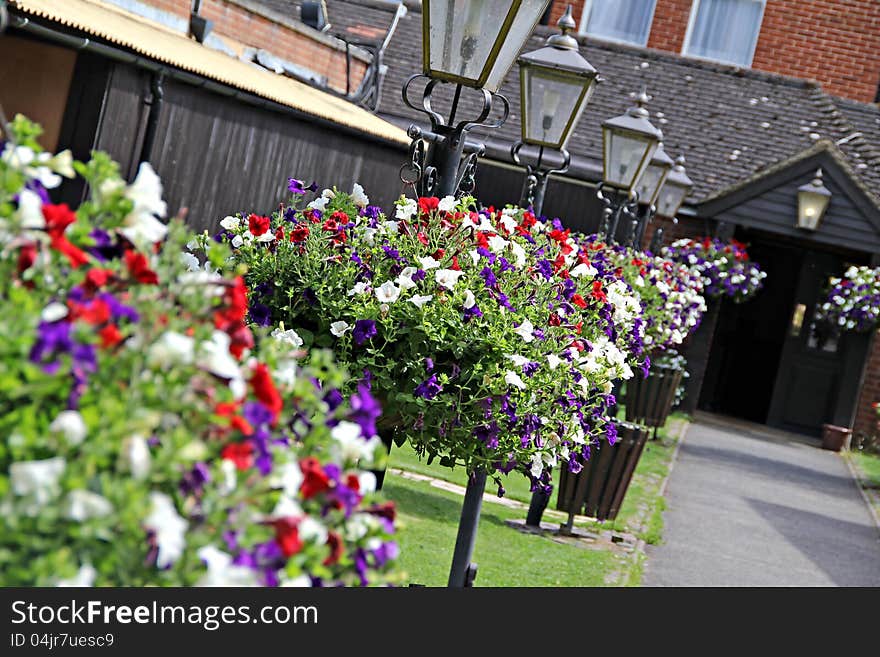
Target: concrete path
point(751, 507)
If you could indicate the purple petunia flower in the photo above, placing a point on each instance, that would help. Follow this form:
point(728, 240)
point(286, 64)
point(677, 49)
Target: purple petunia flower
point(364, 329)
point(194, 480)
point(333, 399)
point(488, 277)
point(365, 410)
point(429, 388)
point(473, 311)
point(260, 314)
point(488, 434)
point(296, 186)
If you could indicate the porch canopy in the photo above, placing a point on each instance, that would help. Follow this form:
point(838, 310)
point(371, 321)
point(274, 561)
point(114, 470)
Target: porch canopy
point(157, 42)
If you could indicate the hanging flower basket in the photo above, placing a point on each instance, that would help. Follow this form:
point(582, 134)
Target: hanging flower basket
point(649, 400)
point(598, 490)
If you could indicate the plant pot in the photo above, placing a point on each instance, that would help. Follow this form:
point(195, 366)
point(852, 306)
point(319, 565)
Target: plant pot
point(649, 401)
point(598, 490)
point(835, 438)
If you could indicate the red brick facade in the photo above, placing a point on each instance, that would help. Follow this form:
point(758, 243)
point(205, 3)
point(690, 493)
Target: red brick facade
point(866, 416)
point(835, 42)
point(235, 21)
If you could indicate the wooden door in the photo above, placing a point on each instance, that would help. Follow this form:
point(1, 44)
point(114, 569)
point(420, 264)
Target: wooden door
point(819, 372)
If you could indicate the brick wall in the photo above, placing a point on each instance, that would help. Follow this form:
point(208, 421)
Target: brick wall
point(239, 24)
point(836, 42)
point(866, 417)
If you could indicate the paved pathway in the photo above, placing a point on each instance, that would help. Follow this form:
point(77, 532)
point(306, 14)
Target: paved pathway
point(751, 508)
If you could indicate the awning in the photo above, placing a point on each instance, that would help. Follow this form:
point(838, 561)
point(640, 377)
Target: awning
point(161, 44)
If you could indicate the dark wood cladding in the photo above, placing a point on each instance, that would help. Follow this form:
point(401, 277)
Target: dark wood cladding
point(218, 155)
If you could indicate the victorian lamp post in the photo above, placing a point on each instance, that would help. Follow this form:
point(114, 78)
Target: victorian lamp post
point(813, 200)
point(471, 44)
point(648, 189)
point(555, 86)
point(672, 195)
point(629, 141)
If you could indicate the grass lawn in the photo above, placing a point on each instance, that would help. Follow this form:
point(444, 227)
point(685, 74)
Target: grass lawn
point(869, 465)
point(507, 557)
point(428, 520)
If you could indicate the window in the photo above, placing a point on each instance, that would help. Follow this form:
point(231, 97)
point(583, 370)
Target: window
point(724, 30)
point(618, 20)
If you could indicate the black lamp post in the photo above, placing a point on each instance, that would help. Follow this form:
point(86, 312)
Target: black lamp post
point(473, 44)
point(648, 189)
point(672, 195)
point(629, 141)
point(555, 86)
point(469, 43)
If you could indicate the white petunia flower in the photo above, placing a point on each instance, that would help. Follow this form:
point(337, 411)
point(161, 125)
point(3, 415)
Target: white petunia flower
point(289, 338)
point(141, 227)
point(170, 350)
point(222, 572)
point(447, 277)
point(497, 243)
point(83, 504)
point(554, 361)
point(312, 531)
point(230, 223)
point(339, 328)
point(583, 270)
point(190, 261)
point(474, 256)
point(537, 466)
point(136, 457)
point(358, 197)
point(388, 292)
point(512, 379)
point(390, 227)
point(420, 300)
point(288, 478)
point(359, 288)
point(70, 425)
point(30, 210)
point(525, 330)
point(469, 299)
point(350, 445)
point(446, 204)
point(214, 356)
point(428, 262)
point(404, 280)
point(230, 477)
point(37, 480)
point(168, 528)
point(519, 254)
point(406, 208)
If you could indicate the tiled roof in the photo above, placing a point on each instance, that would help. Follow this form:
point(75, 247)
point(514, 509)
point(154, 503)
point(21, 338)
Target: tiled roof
point(730, 123)
point(357, 21)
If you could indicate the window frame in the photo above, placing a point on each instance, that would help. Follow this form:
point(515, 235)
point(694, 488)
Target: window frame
point(692, 20)
point(585, 14)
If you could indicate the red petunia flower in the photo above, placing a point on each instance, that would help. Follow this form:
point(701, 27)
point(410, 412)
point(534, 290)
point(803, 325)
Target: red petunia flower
point(98, 278)
point(554, 320)
point(428, 203)
point(578, 300)
point(265, 390)
point(110, 336)
point(139, 268)
point(58, 218)
point(95, 312)
point(241, 454)
point(287, 536)
point(27, 256)
point(337, 548)
point(315, 480)
point(258, 225)
point(230, 410)
point(279, 233)
point(299, 233)
point(598, 293)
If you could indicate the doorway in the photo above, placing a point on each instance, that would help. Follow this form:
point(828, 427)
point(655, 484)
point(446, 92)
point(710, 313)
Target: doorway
point(770, 362)
point(749, 337)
